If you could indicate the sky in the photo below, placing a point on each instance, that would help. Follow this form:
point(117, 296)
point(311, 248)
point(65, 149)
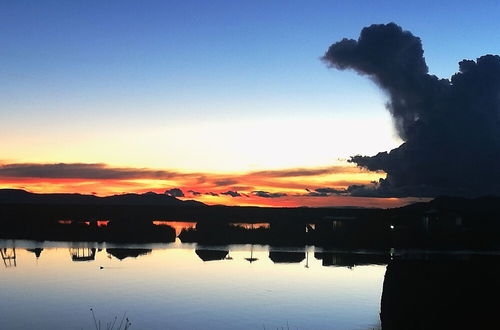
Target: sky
point(218, 94)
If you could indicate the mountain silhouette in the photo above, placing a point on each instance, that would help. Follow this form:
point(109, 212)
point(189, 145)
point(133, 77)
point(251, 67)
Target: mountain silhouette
point(18, 196)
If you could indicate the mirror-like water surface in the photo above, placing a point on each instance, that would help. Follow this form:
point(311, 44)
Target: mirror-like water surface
point(53, 285)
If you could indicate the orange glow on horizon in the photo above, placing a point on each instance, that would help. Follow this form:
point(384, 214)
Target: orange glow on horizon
point(177, 225)
point(273, 188)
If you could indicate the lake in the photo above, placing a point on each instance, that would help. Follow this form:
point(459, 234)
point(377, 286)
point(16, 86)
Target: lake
point(53, 285)
point(183, 286)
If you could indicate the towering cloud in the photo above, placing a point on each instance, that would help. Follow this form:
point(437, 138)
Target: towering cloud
point(450, 127)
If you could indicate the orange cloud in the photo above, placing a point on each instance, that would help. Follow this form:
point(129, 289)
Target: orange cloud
point(322, 186)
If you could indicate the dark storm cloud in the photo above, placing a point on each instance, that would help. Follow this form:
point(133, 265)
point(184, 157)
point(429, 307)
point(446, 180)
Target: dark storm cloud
point(81, 171)
point(329, 191)
point(211, 194)
point(324, 192)
point(266, 194)
point(231, 193)
point(174, 192)
point(450, 127)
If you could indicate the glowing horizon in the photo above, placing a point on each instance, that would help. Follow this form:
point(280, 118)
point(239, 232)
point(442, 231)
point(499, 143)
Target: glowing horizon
point(314, 186)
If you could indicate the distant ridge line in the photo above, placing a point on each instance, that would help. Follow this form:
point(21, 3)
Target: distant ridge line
point(19, 196)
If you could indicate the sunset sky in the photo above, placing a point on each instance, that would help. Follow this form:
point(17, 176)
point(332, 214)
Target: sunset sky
point(228, 101)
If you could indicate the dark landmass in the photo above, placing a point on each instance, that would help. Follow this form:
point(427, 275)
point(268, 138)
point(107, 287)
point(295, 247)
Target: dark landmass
point(120, 232)
point(17, 196)
point(20, 204)
point(445, 222)
point(439, 292)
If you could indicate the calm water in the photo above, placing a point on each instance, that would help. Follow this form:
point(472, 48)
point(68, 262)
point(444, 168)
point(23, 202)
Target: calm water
point(170, 286)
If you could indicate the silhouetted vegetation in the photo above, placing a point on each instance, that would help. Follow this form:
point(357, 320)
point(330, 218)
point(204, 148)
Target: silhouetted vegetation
point(440, 292)
point(119, 231)
point(444, 223)
point(124, 321)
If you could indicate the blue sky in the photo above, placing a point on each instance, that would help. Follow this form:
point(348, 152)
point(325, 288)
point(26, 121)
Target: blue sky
point(98, 70)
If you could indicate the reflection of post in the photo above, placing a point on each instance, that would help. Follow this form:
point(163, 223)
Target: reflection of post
point(307, 258)
point(251, 259)
point(36, 251)
point(82, 254)
point(9, 256)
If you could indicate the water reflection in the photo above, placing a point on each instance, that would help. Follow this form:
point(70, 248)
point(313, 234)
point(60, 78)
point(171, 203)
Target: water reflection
point(37, 251)
point(9, 256)
point(350, 259)
point(211, 255)
point(82, 254)
point(120, 253)
point(335, 289)
point(251, 258)
point(286, 257)
point(88, 251)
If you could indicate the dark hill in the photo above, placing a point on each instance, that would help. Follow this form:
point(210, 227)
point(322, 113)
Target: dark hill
point(480, 205)
point(17, 196)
